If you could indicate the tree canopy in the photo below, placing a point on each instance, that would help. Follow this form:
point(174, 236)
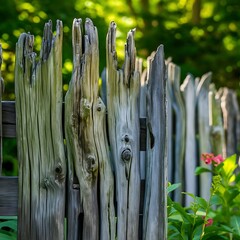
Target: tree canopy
point(199, 35)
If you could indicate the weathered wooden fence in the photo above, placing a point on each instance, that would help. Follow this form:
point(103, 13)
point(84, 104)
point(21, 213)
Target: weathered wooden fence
point(201, 120)
point(106, 174)
point(75, 161)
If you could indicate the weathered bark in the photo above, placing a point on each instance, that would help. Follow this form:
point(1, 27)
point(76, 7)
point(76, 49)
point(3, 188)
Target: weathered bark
point(179, 109)
point(1, 91)
point(204, 130)
point(123, 124)
point(41, 156)
point(189, 93)
point(217, 138)
point(87, 145)
point(155, 203)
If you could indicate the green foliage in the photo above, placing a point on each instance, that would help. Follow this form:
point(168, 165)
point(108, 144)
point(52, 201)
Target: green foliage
point(8, 228)
point(217, 218)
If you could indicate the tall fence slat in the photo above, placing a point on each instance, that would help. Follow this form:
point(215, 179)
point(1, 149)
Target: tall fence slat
point(42, 167)
point(180, 125)
point(155, 215)
point(189, 93)
point(217, 137)
point(204, 130)
point(85, 135)
point(123, 87)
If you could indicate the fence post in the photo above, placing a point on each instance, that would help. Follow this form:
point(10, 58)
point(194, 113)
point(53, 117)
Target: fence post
point(204, 130)
point(123, 87)
point(189, 93)
point(42, 167)
point(155, 215)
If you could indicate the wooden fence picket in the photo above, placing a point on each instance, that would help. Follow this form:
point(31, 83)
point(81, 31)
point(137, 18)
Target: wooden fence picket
point(190, 163)
point(42, 166)
point(123, 89)
point(155, 215)
point(204, 130)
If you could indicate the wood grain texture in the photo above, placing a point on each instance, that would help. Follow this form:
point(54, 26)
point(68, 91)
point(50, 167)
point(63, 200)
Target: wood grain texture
point(123, 88)
point(155, 203)
point(85, 127)
point(190, 162)
point(217, 137)
point(42, 166)
point(204, 131)
point(230, 110)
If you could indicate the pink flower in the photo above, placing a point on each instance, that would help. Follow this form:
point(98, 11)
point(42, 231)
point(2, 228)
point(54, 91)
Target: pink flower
point(208, 158)
point(209, 222)
point(218, 159)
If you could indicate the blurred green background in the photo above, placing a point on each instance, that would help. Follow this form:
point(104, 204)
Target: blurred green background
point(199, 35)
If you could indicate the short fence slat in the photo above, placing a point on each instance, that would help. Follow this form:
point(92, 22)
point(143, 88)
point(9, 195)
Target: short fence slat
point(41, 153)
point(189, 93)
point(204, 131)
point(155, 203)
point(123, 89)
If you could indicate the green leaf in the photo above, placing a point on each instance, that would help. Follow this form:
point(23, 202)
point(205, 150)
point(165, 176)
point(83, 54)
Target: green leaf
point(229, 165)
point(235, 223)
point(215, 200)
point(173, 187)
point(10, 224)
point(200, 170)
point(5, 235)
point(202, 202)
point(181, 210)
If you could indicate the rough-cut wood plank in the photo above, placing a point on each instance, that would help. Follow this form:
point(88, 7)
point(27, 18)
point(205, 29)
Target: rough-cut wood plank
point(204, 131)
point(8, 196)
point(189, 93)
point(1, 91)
point(155, 205)
point(42, 166)
point(85, 127)
point(217, 137)
point(123, 87)
point(180, 126)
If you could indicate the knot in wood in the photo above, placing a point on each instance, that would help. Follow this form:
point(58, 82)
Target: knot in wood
point(91, 162)
point(126, 155)
point(85, 108)
point(46, 183)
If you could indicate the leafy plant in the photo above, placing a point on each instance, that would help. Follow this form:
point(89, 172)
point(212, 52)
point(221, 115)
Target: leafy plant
point(8, 228)
point(219, 217)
